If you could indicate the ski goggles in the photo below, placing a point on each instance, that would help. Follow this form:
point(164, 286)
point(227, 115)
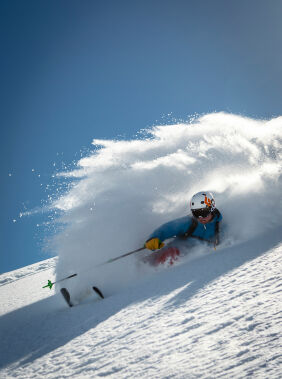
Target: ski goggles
point(203, 212)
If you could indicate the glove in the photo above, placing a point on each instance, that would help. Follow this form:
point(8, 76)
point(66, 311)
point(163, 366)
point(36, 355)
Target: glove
point(154, 244)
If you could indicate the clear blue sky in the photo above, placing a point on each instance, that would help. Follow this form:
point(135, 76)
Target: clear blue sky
point(71, 71)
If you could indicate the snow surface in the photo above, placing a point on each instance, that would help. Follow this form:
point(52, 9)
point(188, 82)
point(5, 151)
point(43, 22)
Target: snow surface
point(213, 314)
point(218, 316)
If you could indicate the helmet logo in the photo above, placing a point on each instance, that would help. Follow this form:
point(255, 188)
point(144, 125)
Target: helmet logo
point(208, 201)
point(202, 200)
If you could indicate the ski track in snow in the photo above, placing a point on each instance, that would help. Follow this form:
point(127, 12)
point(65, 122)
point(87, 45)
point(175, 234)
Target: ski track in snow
point(15, 275)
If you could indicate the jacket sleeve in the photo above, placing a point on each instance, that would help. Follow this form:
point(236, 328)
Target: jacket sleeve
point(171, 229)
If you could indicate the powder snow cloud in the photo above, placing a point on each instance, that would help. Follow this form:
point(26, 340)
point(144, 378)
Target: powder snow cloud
point(125, 189)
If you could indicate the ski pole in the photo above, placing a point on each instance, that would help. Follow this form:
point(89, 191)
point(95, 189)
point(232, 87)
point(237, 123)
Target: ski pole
point(121, 256)
point(50, 284)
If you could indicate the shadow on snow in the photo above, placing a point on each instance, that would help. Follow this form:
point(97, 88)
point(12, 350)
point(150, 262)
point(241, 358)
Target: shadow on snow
point(30, 332)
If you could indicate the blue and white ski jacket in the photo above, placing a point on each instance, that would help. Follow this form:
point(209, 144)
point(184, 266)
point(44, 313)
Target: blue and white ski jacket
point(180, 226)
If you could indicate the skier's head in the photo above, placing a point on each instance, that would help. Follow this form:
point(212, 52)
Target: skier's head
point(202, 204)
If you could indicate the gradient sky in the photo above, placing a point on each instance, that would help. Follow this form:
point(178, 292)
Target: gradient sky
point(71, 71)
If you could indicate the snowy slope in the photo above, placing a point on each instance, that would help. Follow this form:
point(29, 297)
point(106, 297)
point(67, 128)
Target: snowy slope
point(215, 316)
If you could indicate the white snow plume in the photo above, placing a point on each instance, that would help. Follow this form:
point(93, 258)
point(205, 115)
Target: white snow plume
point(125, 189)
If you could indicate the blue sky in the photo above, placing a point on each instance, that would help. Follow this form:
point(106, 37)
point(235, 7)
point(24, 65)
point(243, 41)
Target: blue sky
point(72, 71)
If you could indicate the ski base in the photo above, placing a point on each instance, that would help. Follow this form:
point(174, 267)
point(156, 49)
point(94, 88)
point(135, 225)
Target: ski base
point(99, 293)
point(66, 296)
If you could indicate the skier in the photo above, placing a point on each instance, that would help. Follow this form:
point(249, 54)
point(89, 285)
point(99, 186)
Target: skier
point(203, 225)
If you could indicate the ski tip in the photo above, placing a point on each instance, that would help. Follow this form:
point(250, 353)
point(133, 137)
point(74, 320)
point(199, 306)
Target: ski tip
point(98, 292)
point(66, 296)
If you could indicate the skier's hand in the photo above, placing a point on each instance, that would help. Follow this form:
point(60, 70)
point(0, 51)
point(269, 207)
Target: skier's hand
point(154, 244)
